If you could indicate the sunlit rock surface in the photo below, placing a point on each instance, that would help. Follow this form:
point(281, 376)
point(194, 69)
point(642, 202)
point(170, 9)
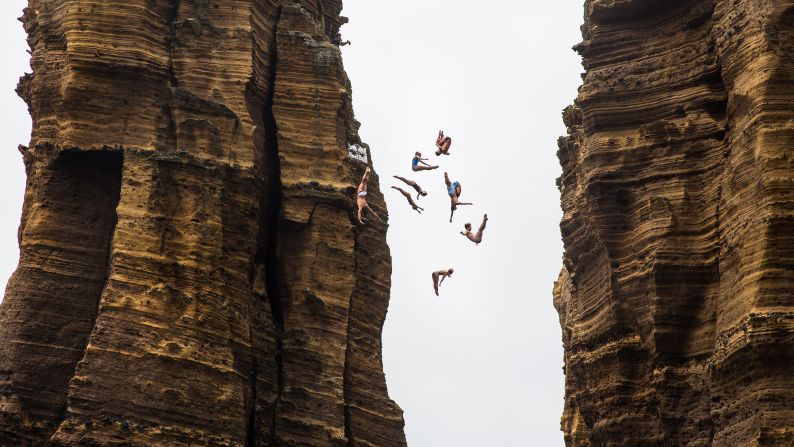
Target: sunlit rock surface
point(190, 272)
point(676, 298)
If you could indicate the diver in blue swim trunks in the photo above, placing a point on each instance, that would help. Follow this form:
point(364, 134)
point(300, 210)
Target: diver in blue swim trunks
point(418, 163)
point(454, 190)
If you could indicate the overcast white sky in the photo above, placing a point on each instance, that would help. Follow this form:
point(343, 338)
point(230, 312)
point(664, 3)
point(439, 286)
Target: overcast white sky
point(482, 364)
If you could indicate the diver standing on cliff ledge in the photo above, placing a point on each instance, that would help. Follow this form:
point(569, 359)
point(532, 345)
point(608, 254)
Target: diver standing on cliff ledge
point(337, 40)
point(361, 198)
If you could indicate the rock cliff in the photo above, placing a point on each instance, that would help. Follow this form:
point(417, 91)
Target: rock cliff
point(190, 273)
point(676, 298)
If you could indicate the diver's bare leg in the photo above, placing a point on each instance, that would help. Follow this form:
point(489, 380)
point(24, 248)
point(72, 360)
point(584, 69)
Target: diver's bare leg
point(405, 180)
point(375, 214)
point(435, 282)
point(423, 168)
point(403, 192)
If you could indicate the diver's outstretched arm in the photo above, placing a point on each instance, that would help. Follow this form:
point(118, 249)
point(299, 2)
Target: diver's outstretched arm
point(364, 179)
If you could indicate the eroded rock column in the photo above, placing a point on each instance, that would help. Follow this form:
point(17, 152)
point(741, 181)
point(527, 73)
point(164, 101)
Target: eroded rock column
point(674, 298)
point(191, 274)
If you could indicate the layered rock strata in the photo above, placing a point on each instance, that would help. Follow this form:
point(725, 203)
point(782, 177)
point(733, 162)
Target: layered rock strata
point(676, 297)
point(190, 271)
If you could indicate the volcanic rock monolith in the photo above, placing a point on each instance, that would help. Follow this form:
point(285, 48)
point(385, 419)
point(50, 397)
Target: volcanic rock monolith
point(676, 298)
point(190, 272)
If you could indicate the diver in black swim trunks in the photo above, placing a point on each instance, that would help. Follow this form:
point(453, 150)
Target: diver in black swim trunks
point(414, 185)
point(411, 202)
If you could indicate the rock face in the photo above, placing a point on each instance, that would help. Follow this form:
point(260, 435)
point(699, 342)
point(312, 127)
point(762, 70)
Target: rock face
point(190, 272)
point(676, 298)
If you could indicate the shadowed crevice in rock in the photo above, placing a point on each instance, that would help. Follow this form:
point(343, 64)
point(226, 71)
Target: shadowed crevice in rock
point(347, 378)
point(272, 223)
point(99, 172)
point(173, 14)
point(63, 269)
point(251, 431)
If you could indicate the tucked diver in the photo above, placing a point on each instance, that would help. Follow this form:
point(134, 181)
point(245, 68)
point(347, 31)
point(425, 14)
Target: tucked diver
point(443, 274)
point(414, 185)
point(476, 238)
point(418, 161)
point(361, 198)
point(454, 190)
point(407, 195)
point(443, 143)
